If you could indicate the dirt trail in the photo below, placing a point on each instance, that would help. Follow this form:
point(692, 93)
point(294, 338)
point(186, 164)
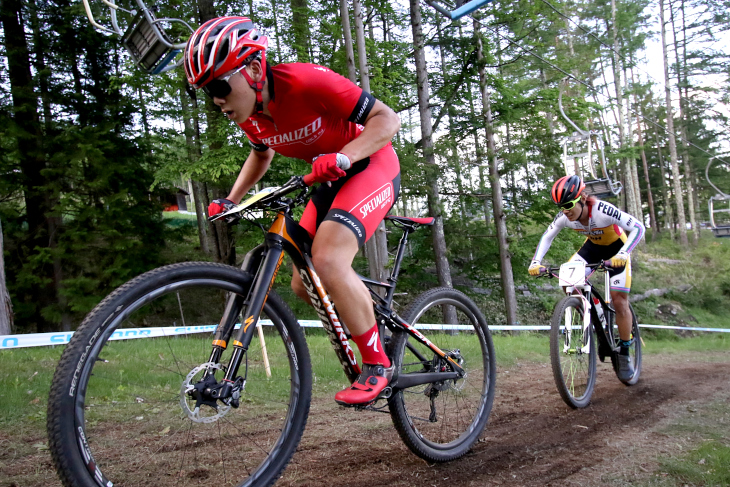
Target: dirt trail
point(533, 438)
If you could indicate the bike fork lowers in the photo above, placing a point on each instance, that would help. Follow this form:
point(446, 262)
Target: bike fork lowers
point(254, 305)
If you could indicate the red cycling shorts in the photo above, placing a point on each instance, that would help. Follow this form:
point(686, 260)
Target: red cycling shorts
point(360, 199)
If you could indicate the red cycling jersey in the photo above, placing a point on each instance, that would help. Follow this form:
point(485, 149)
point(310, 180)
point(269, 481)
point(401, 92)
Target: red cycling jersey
point(316, 111)
point(313, 111)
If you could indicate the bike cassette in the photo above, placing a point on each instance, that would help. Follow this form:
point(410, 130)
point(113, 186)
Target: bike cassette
point(193, 392)
point(442, 365)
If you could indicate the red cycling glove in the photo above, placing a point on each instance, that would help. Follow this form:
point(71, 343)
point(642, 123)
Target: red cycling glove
point(329, 167)
point(219, 206)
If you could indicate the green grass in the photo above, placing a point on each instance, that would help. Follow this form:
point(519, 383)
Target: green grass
point(525, 347)
point(25, 378)
point(707, 465)
point(175, 215)
point(707, 428)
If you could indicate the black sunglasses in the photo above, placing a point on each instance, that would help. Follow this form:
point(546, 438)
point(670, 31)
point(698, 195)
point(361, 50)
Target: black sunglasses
point(219, 88)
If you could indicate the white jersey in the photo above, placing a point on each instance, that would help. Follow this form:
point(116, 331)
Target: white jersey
point(606, 225)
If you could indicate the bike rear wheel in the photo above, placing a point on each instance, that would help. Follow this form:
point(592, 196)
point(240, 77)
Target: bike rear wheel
point(572, 353)
point(122, 411)
point(441, 421)
point(634, 349)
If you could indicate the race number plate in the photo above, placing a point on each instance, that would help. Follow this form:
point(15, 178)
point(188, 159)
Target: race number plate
point(572, 274)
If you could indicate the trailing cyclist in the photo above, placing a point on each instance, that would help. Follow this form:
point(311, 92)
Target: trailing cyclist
point(312, 113)
point(611, 235)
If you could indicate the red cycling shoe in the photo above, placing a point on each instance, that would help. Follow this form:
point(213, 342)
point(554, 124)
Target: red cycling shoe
point(368, 386)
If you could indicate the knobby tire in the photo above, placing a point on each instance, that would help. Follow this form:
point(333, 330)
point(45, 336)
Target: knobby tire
point(116, 408)
point(440, 422)
point(574, 370)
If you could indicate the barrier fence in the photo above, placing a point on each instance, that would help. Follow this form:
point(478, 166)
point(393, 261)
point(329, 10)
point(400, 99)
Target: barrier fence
point(61, 338)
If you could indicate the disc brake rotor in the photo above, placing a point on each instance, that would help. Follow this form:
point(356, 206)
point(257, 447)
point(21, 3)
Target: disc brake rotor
point(203, 413)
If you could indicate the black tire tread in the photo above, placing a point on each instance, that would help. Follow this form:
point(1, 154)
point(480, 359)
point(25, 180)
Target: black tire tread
point(68, 468)
point(556, 325)
point(398, 415)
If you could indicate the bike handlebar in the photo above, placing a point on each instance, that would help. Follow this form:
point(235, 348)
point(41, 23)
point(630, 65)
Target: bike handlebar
point(549, 272)
point(296, 183)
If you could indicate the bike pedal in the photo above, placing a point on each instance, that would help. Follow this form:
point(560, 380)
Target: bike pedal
point(385, 393)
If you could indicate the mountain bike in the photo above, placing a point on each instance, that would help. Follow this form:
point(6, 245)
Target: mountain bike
point(231, 409)
point(580, 318)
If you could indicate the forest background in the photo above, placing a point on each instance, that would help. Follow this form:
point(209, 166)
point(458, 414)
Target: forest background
point(92, 149)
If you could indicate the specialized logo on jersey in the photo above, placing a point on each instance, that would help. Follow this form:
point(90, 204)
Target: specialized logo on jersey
point(611, 211)
point(377, 199)
point(305, 135)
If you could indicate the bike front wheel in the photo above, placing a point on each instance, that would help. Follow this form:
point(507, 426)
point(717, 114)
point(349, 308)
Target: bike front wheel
point(572, 353)
point(129, 411)
point(440, 421)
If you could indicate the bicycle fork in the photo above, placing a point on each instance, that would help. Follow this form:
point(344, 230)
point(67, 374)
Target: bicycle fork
point(228, 390)
point(568, 327)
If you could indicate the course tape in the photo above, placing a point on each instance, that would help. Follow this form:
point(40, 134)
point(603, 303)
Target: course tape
point(61, 338)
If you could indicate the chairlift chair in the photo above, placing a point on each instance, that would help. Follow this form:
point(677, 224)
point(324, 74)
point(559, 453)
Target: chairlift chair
point(460, 9)
point(582, 162)
point(150, 47)
point(721, 230)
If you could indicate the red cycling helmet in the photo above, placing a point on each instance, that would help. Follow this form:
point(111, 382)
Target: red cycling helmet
point(221, 46)
point(567, 189)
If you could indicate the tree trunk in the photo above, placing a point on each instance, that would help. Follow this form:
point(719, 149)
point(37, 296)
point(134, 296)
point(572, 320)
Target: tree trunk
point(455, 162)
point(668, 212)
point(682, 82)
point(345, 14)
point(300, 26)
point(219, 233)
point(192, 135)
point(681, 221)
point(508, 285)
point(443, 269)
point(649, 196)
point(30, 151)
point(6, 306)
point(376, 248)
point(637, 209)
point(361, 48)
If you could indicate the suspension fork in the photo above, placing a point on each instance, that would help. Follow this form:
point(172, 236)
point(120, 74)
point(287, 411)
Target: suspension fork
point(234, 305)
point(257, 299)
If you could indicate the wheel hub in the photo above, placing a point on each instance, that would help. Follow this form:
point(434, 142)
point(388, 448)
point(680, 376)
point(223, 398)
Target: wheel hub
point(196, 399)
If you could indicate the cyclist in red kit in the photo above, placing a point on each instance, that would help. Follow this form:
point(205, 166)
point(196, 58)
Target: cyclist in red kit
point(312, 113)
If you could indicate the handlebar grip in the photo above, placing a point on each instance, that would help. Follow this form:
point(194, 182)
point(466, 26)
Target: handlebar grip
point(343, 162)
point(308, 179)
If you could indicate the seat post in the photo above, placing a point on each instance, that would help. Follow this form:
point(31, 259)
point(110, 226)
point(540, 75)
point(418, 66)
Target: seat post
point(396, 265)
